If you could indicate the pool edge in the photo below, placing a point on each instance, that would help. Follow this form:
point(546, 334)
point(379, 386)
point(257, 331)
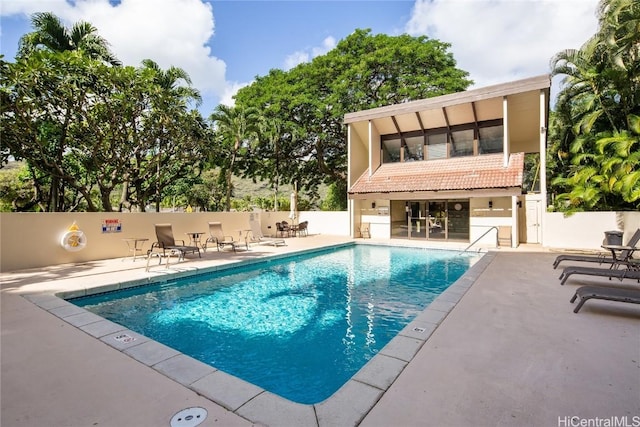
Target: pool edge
point(348, 406)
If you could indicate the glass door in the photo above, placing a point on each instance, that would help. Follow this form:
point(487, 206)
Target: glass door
point(458, 220)
point(438, 220)
point(399, 219)
point(418, 220)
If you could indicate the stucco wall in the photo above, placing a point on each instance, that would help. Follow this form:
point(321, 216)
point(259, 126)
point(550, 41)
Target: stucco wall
point(586, 230)
point(29, 240)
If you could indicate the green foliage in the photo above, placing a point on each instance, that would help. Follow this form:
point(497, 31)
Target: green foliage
point(235, 131)
point(100, 137)
point(594, 155)
point(86, 128)
point(335, 200)
point(303, 138)
point(49, 33)
point(16, 192)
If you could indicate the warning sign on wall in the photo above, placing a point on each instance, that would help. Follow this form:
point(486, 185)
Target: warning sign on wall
point(111, 226)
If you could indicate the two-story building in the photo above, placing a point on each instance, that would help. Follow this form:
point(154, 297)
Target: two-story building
point(458, 167)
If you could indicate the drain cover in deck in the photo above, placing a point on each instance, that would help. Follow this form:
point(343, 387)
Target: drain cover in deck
point(189, 417)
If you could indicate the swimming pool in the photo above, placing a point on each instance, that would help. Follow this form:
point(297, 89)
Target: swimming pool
point(300, 326)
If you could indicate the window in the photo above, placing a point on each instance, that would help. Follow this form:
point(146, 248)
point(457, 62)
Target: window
point(491, 140)
point(437, 146)
point(391, 151)
point(414, 149)
point(466, 139)
point(462, 143)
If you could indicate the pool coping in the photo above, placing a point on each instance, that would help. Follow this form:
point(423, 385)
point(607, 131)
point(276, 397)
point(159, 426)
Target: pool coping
point(347, 406)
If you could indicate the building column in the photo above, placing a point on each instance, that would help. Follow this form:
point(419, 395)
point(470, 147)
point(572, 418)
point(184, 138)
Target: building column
point(506, 146)
point(543, 161)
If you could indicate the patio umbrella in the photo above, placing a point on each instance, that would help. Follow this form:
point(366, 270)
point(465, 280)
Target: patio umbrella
point(293, 214)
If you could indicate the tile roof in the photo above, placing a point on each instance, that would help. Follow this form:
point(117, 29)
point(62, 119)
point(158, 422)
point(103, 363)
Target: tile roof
point(461, 173)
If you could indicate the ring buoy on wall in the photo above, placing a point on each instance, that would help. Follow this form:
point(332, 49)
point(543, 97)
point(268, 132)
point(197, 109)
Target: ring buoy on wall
point(74, 240)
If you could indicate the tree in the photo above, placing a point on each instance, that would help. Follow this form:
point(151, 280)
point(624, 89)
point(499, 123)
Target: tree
point(363, 71)
point(86, 128)
point(335, 201)
point(594, 124)
point(169, 131)
point(16, 191)
point(51, 34)
point(45, 102)
point(235, 130)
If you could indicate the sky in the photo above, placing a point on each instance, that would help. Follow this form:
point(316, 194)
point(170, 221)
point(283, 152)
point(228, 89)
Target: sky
point(224, 44)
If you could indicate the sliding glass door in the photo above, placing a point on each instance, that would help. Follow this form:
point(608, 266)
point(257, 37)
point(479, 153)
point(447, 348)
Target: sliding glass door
point(437, 220)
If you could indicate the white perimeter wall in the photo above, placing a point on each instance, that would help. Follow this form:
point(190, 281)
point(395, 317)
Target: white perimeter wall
point(586, 230)
point(29, 240)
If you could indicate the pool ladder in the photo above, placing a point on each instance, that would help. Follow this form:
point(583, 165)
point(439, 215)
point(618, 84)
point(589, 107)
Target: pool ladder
point(483, 234)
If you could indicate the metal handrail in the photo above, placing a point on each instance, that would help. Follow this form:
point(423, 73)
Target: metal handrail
point(483, 234)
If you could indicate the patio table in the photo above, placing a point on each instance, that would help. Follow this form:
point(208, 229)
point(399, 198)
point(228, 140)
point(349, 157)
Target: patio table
point(132, 246)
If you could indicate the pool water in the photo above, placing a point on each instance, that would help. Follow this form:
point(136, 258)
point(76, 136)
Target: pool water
point(299, 327)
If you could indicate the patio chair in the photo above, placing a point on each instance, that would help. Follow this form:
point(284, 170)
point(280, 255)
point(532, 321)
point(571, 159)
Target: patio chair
point(631, 271)
point(303, 229)
point(624, 255)
point(255, 236)
point(282, 228)
point(166, 242)
point(219, 239)
point(364, 230)
point(605, 293)
point(434, 225)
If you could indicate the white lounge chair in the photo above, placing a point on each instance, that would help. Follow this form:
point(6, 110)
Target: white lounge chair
point(255, 236)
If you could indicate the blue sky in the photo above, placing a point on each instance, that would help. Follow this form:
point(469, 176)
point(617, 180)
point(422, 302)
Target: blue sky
point(224, 45)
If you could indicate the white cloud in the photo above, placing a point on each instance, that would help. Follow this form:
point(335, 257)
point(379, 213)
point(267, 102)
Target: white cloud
point(170, 32)
point(227, 97)
point(295, 58)
point(498, 41)
point(308, 54)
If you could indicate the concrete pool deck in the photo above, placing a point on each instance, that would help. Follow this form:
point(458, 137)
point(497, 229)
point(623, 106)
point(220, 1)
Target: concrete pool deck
point(510, 352)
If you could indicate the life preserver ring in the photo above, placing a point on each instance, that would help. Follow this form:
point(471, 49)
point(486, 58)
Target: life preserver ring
point(73, 240)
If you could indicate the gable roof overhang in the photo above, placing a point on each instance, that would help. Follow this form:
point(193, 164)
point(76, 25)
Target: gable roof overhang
point(479, 176)
point(471, 106)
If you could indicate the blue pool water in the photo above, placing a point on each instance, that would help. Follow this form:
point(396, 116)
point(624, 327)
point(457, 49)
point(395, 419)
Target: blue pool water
point(300, 326)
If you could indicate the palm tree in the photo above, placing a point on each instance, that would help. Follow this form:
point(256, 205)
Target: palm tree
point(236, 128)
point(172, 92)
point(594, 125)
point(172, 82)
point(270, 134)
point(51, 34)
